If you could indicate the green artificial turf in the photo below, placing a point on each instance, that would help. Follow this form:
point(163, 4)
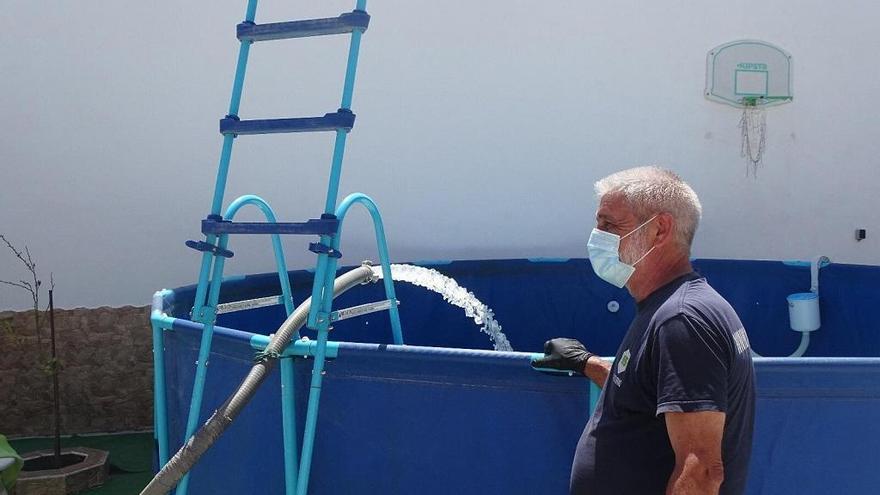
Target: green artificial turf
point(131, 458)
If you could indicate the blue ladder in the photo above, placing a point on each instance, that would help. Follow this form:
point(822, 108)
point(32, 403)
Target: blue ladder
point(328, 227)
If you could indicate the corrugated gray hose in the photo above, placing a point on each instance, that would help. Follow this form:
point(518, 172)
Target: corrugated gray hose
point(189, 454)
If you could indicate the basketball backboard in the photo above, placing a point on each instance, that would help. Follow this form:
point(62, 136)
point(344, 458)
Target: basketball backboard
point(741, 72)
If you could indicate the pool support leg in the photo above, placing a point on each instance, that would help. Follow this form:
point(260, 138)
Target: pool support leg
point(288, 418)
point(160, 407)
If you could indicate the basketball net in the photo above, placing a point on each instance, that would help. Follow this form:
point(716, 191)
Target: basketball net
point(753, 125)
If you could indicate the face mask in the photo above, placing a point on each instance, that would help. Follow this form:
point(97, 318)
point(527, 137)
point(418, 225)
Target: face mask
point(603, 249)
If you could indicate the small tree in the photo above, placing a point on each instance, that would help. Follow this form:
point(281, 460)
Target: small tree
point(32, 287)
point(48, 363)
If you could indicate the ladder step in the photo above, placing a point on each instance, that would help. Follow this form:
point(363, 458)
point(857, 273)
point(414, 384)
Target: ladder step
point(357, 20)
point(260, 302)
point(322, 226)
point(362, 309)
point(342, 119)
point(209, 248)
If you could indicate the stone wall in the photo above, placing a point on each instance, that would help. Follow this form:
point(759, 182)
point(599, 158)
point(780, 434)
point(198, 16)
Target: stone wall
point(106, 380)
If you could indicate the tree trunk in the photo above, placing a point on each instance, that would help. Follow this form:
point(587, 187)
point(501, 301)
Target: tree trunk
point(55, 396)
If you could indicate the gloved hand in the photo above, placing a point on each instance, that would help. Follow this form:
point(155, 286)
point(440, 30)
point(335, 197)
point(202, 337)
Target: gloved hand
point(564, 354)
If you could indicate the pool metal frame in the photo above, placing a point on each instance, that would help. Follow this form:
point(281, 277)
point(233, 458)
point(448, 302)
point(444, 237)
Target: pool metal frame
point(811, 410)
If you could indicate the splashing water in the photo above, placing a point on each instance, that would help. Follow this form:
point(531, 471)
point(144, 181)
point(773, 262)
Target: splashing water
point(453, 294)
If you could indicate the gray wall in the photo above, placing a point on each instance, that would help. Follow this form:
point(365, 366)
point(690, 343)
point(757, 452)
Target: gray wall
point(106, 379)
point(481, 127)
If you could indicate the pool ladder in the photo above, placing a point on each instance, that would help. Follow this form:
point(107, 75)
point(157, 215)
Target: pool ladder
point(328, 228)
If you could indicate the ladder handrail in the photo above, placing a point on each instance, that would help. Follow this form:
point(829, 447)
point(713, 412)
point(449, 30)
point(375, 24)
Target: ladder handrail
point(382, 245)
point(278, 249)
point(288, 406)
point(323, 323)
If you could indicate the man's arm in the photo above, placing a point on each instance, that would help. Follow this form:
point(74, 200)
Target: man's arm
point(696, 440)
point(597, 370)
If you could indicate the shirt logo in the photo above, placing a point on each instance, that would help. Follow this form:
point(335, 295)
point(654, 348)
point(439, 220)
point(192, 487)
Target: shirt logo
point(741, 340)
point(621, 367)
point(624, 361)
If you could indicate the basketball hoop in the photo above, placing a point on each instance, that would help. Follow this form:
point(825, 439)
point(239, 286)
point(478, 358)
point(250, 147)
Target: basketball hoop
point(751, 75)
point(753, 125)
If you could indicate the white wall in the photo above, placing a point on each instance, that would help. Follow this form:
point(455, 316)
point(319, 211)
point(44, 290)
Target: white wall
point(481, 127)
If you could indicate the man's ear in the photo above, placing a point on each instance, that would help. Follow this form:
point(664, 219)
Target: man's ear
point(665, 225)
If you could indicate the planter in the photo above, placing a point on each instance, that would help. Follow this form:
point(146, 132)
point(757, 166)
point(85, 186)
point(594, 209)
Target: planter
point(87, 468)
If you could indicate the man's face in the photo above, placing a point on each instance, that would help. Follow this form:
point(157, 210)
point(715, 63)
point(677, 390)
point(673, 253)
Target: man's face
point(615, 217)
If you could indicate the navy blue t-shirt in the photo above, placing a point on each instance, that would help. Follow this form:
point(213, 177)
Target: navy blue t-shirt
point(685, 351)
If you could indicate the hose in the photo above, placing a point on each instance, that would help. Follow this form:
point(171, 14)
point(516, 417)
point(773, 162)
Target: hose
point(185, 458)
point(802, 348)
point(799, 352)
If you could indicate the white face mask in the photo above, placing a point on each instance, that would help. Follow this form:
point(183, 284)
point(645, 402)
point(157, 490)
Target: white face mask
point(603, 249)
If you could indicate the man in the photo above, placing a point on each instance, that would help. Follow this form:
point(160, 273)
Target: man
point(676, 411)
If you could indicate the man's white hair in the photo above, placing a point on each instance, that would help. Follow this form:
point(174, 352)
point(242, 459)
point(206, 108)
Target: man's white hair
point(652, 190)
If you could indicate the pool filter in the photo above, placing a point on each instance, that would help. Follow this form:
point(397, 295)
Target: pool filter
point(803, 308)
point(803, 312)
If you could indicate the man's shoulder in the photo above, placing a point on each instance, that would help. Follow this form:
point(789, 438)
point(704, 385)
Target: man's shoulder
point(698, 291)
point(695, 299)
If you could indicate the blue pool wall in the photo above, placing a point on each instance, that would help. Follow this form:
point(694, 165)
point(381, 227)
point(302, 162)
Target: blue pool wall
point(459, 418)
point(393, 420)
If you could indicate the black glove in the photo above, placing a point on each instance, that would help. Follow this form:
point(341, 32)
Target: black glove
point(564, 354)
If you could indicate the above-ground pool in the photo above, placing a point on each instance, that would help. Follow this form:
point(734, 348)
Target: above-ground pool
point(447, 414)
